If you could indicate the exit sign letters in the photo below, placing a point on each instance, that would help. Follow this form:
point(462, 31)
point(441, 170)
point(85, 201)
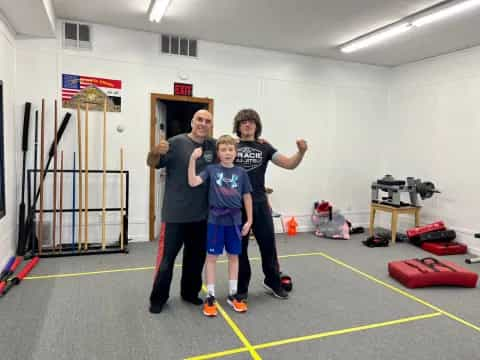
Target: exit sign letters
point(181, 89)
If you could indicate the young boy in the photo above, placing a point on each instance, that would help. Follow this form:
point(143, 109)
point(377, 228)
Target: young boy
point(229, 185)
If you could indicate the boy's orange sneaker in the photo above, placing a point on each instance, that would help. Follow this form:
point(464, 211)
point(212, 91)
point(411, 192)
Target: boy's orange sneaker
point(210, 307)
point(237, 304)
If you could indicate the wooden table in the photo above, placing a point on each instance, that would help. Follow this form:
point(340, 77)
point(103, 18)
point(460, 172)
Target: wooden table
point(413, 210)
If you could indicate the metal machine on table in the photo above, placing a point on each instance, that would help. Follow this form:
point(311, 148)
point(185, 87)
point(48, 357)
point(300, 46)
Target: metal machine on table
point(394, 188)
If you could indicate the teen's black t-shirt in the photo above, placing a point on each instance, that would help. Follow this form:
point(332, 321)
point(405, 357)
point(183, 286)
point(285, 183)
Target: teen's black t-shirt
point(254, 157)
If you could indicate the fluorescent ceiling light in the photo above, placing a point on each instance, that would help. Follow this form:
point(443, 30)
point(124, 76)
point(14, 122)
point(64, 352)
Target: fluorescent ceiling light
point(375, 38)
point(419, 19)
point(158, 10)
point(445, 12)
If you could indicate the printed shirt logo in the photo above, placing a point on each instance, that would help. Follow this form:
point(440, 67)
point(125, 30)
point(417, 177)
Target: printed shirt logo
point(208, 156)
point(249, 158)
point(231, 183)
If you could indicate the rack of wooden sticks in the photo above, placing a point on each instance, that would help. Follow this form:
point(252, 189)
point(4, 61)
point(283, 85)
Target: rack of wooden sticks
point(34, 228)
point(78, 240)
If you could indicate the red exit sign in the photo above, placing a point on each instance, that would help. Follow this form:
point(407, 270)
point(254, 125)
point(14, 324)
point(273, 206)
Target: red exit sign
point(181, 89)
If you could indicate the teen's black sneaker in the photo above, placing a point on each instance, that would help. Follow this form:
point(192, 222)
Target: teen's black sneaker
point(279, 292)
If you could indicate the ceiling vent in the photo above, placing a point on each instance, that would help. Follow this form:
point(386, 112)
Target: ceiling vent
point(177, 45)
point(76, 36)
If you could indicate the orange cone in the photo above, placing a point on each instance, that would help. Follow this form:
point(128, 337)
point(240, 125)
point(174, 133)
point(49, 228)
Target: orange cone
point(292, 226)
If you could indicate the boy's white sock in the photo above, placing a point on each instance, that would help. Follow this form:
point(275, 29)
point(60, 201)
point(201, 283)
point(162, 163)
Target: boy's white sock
point(232, 286)
point(211, 289)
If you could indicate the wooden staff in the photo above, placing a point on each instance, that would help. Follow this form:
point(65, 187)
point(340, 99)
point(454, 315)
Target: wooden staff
point(42, 161)
point(80, 183)
point(85, 239)
point(121, 200)
point(54, 223)
point(31, 227)
point(61, 202)
point(104, 177)
point(73, 199)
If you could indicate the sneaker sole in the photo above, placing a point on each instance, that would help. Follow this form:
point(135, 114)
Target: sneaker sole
point(233, 307)
point(270, 290)
point(209, 315)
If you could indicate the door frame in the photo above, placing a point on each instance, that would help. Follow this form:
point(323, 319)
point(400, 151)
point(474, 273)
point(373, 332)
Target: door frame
point(153, 121)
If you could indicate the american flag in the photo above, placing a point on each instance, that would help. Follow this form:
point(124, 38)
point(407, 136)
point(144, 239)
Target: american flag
point(73, 84)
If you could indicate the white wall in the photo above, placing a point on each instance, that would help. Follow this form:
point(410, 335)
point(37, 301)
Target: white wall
point(421, 116)
point(435, 127)
point(336, 106)
point(8, 233)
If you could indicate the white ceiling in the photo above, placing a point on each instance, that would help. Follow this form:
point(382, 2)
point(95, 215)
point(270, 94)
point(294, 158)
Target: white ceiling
point(30, 17)
point(312, 27)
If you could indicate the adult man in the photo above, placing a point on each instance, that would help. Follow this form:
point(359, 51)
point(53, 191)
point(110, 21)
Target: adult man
point(184, 211)
point(254, 156)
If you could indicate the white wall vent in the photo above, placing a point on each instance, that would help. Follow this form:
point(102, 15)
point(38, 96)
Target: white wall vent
point(76, 36)
point(178, 45)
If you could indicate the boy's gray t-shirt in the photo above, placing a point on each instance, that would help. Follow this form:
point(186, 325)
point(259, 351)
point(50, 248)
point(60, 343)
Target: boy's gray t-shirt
point(181, 202)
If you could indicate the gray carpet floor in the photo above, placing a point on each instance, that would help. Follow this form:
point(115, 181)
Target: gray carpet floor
point(104, 315)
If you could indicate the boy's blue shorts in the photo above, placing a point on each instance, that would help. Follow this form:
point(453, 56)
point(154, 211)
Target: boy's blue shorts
point(220, 236)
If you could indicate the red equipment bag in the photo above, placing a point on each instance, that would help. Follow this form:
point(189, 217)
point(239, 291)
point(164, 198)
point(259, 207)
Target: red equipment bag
point(436, 226)
point(444, 248)
point(416, 273)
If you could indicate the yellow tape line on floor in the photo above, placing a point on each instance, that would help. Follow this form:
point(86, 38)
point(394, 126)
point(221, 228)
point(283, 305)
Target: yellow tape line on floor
point(400, 291)
point(316, 336)
point(248, 347)
point(99, 272)
point(341, 263)
point(56, 276)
